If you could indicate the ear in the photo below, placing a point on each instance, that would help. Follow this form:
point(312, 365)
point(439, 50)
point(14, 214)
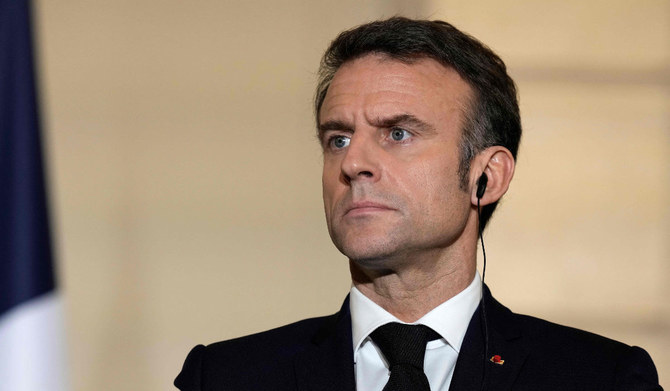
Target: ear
point(498, 164)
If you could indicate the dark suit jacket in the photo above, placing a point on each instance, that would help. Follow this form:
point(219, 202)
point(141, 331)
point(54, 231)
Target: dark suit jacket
point(316, 354)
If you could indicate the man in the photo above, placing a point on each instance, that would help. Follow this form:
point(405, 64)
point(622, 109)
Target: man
point(419, 125)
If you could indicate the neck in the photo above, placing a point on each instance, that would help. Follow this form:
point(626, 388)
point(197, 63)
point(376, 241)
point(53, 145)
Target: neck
point(423, 283)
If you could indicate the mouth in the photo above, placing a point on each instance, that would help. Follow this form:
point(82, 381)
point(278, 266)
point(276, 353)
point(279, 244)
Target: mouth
point(366, 208)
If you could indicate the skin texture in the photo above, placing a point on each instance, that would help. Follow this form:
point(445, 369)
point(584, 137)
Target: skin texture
point(393, 204)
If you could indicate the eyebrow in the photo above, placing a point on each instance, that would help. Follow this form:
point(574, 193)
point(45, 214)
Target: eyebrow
point(389, 122)
point(402, 120)
point(335, 125)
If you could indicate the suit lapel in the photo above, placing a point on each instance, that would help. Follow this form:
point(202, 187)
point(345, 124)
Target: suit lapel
point(328, 364)
point(505, 340)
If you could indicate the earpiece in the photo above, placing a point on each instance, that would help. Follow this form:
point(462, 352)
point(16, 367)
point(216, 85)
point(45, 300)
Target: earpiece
point(481, 189)
point(481, 185)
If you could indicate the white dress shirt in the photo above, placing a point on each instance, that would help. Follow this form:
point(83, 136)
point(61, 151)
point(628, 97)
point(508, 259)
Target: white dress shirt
point(450, 319)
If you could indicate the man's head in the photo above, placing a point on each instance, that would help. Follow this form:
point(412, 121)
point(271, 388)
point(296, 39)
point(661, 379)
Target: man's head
point(391, 187)
point(491, 117)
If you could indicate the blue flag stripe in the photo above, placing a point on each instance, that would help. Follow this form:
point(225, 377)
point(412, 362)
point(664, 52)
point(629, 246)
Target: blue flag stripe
point(26, 269)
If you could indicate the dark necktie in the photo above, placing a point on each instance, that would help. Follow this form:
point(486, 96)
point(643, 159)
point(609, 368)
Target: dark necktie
point(404, 347)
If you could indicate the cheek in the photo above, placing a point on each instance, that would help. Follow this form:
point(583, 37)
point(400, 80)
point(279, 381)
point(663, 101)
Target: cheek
point(329, 183)
point(436, 178)
point(436, 185)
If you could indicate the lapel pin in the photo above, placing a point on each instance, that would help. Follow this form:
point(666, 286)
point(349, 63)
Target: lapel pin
point(497, 360)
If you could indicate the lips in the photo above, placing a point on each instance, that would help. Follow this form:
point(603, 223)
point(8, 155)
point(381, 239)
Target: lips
point(366, 207)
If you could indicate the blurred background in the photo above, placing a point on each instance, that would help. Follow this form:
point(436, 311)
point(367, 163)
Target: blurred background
point(184, 174)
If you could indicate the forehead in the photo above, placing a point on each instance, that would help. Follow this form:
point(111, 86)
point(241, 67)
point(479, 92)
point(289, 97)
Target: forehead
point(375, 85)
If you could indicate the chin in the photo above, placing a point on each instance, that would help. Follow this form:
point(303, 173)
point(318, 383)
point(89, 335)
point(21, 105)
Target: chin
point(370, 254)
point(371, 246)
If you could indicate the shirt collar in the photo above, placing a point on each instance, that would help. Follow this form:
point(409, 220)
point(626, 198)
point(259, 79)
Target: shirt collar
point(449, 319)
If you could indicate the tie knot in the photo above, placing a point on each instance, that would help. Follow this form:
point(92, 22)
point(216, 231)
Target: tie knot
point(403, 344)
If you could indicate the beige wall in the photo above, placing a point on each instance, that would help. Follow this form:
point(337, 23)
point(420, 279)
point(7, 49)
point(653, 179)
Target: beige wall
point(582, 237)
point(186, 179)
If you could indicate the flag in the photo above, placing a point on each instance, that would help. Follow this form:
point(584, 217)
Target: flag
point(31, 325)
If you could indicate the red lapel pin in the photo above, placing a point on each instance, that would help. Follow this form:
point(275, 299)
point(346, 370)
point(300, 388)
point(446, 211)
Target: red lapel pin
point(497, 360)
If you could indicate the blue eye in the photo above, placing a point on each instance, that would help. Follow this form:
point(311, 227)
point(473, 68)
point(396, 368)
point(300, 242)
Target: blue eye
point(398, 134)
point(339, 142)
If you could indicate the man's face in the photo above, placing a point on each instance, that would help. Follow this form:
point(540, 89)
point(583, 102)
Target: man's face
point(390, 133)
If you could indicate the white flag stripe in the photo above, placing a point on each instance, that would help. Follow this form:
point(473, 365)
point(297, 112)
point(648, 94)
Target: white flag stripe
point(32, 346)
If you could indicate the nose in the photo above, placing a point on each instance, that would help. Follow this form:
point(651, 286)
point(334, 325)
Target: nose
point(361, 160)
